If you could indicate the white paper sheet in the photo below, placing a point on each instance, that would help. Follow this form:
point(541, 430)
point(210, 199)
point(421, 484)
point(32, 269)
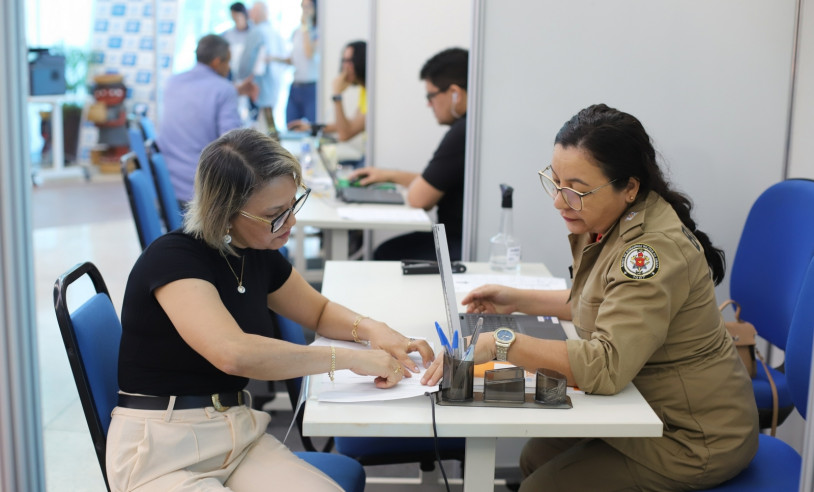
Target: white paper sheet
point(383, 213)
point(350, 387)
point(465, 283)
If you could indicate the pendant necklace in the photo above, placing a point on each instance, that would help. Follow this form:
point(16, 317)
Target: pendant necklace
point(240, 287)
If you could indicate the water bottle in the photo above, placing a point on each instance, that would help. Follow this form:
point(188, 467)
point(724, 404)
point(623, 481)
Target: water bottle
point(505, 248)
point(306, 159)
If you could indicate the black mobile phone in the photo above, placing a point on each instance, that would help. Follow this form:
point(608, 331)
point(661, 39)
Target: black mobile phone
point(418, 267)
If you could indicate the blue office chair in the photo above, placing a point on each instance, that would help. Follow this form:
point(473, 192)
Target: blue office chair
point(371, 451)
point(171, 212)
point(776, 246)
point(138, 146)
point(92, 333)
point(143, 200)
point(147, 128)
point(777, 465)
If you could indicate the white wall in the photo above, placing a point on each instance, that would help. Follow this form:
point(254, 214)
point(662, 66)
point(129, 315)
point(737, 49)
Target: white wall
point(405, 133)
point(801, 161)
point(339, 24)
point(709, 80)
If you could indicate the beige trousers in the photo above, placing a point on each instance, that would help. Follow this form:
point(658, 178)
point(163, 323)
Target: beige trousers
point(202, 449)
point(574, 464)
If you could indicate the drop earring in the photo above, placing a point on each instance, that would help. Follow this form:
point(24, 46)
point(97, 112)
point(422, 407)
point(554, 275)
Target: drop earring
point(226, 237)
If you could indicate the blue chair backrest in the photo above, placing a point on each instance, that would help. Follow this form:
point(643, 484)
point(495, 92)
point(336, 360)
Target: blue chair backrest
point(147, 128)
point(98, 332)
point(143, 202)
point(173, 216)
point(776, 246)
point(137, 145)
point(91, 335)
point(801, 338)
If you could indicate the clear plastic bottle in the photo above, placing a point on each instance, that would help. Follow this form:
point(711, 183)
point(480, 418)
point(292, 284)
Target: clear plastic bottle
point(306, 159)
point(505, 248)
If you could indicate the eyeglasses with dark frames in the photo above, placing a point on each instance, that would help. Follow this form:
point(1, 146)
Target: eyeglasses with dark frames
point(572, 197)
point(277, 222)
point(431, 95)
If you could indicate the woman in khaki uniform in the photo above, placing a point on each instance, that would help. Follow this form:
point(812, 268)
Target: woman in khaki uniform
point(643, 304)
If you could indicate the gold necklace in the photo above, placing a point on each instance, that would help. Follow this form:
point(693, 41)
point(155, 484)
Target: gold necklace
point(240, 287)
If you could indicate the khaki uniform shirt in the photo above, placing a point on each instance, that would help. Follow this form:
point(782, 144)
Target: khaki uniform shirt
point(643, 304)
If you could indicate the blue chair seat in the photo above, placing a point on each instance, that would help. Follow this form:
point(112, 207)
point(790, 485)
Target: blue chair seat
point(347, 472)
point(775, 467)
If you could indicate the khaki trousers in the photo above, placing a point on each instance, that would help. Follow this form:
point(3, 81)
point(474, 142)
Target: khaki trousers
point(575, 464)
point(202, 449)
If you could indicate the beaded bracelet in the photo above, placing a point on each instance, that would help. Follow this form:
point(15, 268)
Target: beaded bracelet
point(333, 363)
point(355, 326)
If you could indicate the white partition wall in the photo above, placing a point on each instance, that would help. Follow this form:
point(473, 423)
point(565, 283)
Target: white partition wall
point(709, 80)
point(801, 155)
point(339, 23)
point(404, 133)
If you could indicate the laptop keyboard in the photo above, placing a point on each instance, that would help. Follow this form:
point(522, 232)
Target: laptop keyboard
point(490, 323)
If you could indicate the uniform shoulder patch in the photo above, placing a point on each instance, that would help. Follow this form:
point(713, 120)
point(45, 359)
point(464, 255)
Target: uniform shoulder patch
point(640, 262)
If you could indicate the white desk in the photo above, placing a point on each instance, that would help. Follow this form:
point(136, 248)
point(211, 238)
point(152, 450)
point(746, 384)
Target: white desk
point(411, 304)
point(58, 168)
point(321, 212)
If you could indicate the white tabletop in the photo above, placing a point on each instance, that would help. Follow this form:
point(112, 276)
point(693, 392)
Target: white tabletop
point(411, 304)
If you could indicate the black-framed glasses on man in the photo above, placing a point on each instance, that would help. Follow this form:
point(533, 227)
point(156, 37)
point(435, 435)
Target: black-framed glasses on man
point(277, 222)
point(572, 197)
point(431, 95)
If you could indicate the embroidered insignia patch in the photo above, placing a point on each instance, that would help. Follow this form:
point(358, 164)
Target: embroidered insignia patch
point(640, 262)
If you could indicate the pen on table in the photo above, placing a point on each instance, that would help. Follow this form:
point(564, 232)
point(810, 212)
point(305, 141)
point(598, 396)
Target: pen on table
point(443, 338)
point(470, 351)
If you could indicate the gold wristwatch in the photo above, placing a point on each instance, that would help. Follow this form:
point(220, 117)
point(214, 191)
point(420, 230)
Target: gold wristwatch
point(504, 338)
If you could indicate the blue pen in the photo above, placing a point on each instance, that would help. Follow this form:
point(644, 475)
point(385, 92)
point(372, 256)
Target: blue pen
point(455, 344)
point(443, 338)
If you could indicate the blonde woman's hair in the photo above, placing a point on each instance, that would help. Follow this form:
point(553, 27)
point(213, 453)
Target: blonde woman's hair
point(230, 169)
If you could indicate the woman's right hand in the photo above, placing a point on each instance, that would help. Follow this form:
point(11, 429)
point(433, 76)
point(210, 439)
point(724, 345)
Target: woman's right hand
point(491, 299)
point(387, 369)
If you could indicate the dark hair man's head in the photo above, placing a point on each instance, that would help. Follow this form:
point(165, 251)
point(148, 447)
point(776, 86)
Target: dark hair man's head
point(213, 50)
point(444, 76)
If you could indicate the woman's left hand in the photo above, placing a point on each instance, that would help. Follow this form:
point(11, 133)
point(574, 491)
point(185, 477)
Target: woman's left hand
point(400, 346)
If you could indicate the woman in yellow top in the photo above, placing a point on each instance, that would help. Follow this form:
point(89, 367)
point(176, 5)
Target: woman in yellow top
point(643, 304)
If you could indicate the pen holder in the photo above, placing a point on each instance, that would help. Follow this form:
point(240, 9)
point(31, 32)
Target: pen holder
point(459, 377)
point(550, 386)
point(505, 384)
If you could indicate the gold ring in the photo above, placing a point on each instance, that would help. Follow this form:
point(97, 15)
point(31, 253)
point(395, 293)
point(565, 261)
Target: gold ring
point(397, 370)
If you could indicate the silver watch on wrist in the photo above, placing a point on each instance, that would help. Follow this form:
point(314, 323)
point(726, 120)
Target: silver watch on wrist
point(504, 338)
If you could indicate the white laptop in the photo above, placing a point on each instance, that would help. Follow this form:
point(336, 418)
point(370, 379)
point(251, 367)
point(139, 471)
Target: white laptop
point(547, 327)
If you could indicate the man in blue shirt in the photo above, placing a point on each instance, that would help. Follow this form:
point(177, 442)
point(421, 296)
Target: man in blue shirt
point(199, 106)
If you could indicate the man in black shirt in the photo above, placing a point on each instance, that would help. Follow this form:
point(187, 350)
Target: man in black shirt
point(442, 182)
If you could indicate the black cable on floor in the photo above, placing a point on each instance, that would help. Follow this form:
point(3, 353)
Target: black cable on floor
point(435, 441)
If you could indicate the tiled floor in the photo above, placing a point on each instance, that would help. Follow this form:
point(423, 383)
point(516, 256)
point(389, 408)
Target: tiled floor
point(76, 221)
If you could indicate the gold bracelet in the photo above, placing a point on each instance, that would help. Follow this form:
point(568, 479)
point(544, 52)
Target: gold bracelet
point(333, 363)
point(355, 326)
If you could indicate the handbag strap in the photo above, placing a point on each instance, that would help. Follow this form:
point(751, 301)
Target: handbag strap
point(774, 391)
point(737, 308)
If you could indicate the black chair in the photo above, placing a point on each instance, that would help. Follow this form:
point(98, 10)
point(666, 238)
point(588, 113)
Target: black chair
point(143, 199)
point(370, 451)
point(92, 333)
